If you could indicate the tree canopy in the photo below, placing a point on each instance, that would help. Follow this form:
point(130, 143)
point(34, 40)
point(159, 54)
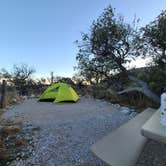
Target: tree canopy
point(153, 37)
point(107, 47)
point(153, 40)
point(111, 43)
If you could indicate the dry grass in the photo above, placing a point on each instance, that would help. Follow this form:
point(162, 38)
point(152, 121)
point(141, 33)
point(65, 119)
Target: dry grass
point(21, 142)
point(2, 144)
point(11, 98)
point(8, 149)
point(10, 123)
point(11, 130)
point(10, 144)
point(4, 154)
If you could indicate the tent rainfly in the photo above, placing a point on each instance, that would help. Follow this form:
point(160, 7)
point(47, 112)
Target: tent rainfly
point(59, 92)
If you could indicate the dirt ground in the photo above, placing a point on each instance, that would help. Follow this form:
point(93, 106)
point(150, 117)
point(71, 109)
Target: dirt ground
point(46, 114)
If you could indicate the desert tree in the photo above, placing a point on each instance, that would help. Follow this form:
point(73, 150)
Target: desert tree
point(20, 76)
point(154, 39)
point(153, 45)
point(110, 44)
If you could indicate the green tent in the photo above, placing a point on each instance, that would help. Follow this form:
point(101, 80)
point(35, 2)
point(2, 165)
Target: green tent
point(59, 92)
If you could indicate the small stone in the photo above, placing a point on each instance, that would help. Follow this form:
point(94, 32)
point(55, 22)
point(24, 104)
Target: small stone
point(133, 114)
point(17, 158)
point(117, 105)
point(124, 108)
point(125, 111)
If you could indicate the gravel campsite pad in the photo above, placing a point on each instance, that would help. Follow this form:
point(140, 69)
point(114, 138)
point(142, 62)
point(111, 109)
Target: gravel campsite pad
point(65, 131)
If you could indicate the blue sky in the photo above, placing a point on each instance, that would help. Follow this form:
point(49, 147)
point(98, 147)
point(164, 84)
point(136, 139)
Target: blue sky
point(41, 33)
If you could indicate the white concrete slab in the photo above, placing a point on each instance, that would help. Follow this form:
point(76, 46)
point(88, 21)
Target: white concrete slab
point(152, 129)
point(123, 146)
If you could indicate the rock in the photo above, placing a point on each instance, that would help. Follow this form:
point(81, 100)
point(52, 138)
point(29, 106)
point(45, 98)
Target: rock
point(125, 108)
point(117, 105)
point(133, 114)
point(125, 111)
point(14, 100)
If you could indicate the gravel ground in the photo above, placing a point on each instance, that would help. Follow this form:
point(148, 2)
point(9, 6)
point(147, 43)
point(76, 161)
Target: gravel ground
point(154, 154)
point(67, 130)
point(64, 132)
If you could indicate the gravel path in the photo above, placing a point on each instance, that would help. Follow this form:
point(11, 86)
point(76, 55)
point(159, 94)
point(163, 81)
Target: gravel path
point(67, 130)
point(154, 154)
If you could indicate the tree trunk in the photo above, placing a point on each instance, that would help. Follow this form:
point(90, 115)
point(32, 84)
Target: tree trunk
point(142, 88)
point(145, 89)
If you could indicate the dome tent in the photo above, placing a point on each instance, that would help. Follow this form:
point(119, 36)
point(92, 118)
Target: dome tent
point(59, 92)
